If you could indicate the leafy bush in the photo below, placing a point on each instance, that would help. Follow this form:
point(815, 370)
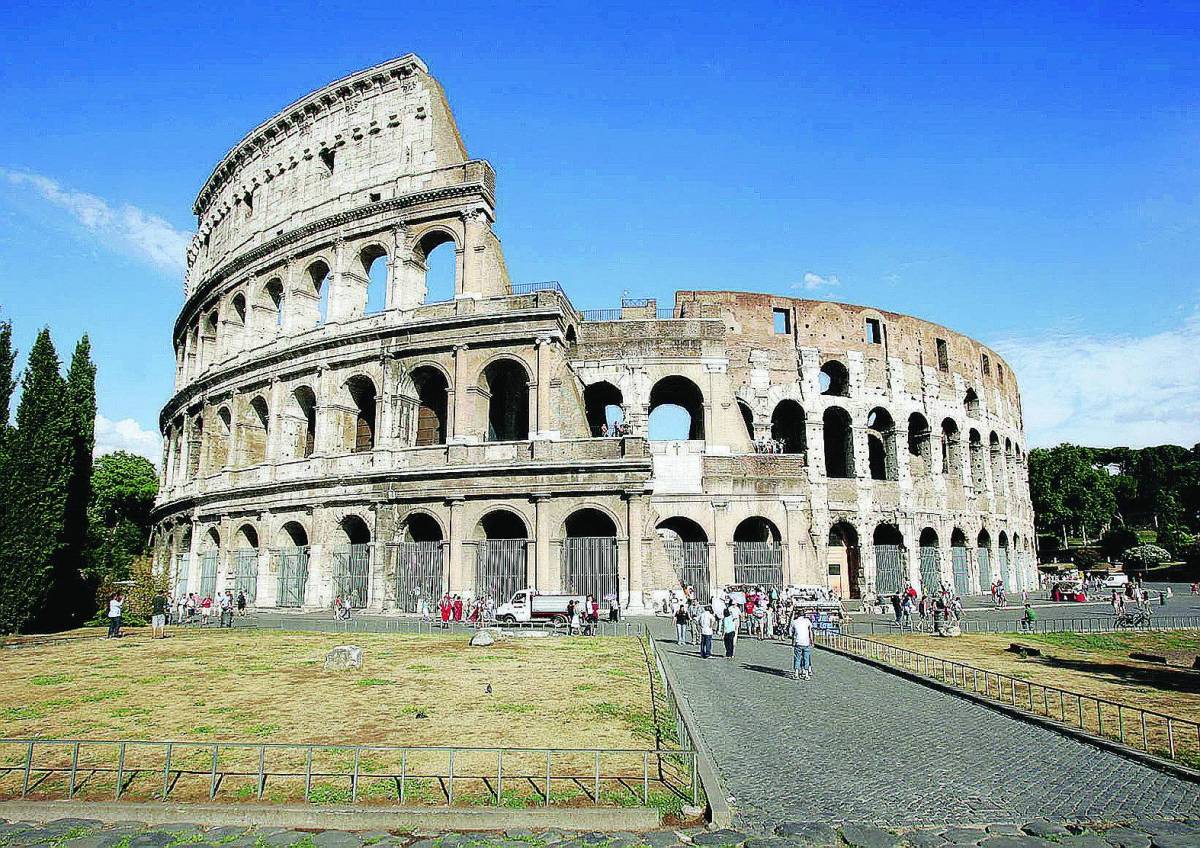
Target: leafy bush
point(1146, 556)
point(1118, 540)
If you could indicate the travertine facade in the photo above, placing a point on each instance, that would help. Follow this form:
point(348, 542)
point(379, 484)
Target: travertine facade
point(334, 434)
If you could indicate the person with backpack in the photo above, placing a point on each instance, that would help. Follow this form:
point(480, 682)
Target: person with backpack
point(681, 625)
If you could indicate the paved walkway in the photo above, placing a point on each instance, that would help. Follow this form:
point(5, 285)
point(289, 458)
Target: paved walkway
point(860, 745)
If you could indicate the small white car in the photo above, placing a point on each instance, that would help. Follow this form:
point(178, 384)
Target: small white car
point(1116, 581)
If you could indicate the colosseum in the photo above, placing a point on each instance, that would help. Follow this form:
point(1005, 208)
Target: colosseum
point(341, 428)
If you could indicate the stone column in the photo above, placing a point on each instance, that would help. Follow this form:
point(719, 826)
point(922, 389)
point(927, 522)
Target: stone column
point(338, 306)
point(320, 571)
point(455, 567)
point(721, 567)
point(634, 502)
point(543, 579)
point(470, 255)
point(540, 400)
point(395, 298)
point(274, 424)
point(458, 398)
point(193, 581)
point(794, 535)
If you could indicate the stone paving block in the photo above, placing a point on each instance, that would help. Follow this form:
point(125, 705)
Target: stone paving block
point(1008, 840)
point(154, 839)
point(1175, 840)
point(1045, 829)
point(724, 836)
point(281, 838)
point(71, 823)
point(374, 837)
point(808, 833)
point(1126, 837)
point(925, 839)
point(225, 833)
point(337, 839)
point(1084, 840)
point(869, 836)
point(1006, 829)
point(100, 839)
point(661, 838)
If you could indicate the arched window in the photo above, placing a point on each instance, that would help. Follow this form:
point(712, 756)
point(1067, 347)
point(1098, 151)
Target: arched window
point(996, 458)
point(254, 430)
point(834, 379)
point(195, 444)
point(432, 405)
point(920, 457)
point(362, 395)
point(271, 307)
point(208, 340)
point(319, 281)
point(304, 411)
point(971, 403)
point(686, 544)
point(787, 427)
point(435, 256)
point(422, 527)
point(604, 407)
point(844, 562)
point(219, 447)
point(352, 562)
point(951, 449)
point(505, 385)
point(891, 560)
point(747, 417)
point(676, 410)
point(757, 553)
point(839, 443)
point(237, 320)
point(374, 260)
point(245, 563)
point(983, 552)
point(881, 444)
point(210, 559)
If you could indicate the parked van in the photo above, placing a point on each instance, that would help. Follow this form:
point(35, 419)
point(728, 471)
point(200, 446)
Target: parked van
point(527, 605)
point(1116, 580)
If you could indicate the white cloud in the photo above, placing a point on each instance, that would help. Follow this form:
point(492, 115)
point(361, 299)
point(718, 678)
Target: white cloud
point(127, 435)
point(1114, 390)
point(140, 233)
point(815, 282)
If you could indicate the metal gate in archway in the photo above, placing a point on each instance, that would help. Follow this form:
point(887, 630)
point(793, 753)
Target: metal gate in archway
point(352, 574)
point(181, 574)
point(292, 565)
point(758, 564)
point(985, 570)
point(500, 568)
point(931, 569)
point(590, 566)
point(245, 573)
point(690, 561)
point(891, 569)
point(419, 574)
point(208, 573)
point(1002, 569)
point(960, 565)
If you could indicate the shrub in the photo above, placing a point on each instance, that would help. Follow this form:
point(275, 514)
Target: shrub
point(1146, 556)
point(1117, 541)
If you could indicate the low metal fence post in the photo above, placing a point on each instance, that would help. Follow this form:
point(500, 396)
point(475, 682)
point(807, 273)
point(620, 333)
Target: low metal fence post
point(1171, 737)
point(120, 771)
point(167, 772)
point(597, 786)
point(28, 769)
point(450, 782)
point(547, 778)
point(499, 776)
point(262, 776)
point(308, 773)
point(403, 773)
point(646, 778)
point(212, 788)
point(354, 777)
point(74, 767)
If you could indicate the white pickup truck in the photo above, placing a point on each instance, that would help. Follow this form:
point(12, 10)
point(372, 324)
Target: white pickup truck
point(527, 605)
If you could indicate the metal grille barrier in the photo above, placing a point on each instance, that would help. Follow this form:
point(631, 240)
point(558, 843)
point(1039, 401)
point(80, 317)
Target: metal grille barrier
point(961, 570)
point(985, 569)
point(1079, 624)
point(690, 561)
point(418, 568)
point(1003, 571)
point(931, 569)
point(758, 564)
point(208, 573)
point(500, 568)
point(590, 566)
point(891, 569)
point(181, 575)
point(352, 575)
point(292, 565)
point(245, 574)
point(530, 288)
point(181, 771)
point(1160, 734)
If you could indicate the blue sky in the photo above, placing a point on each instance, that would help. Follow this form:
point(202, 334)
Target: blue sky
point(1029, 175)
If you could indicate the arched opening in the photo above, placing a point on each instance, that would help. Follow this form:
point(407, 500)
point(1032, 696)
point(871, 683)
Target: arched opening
point(195, 444)
point(210, 559)
point(1004, 564)
point(604, 406)
point(983, 551)
point(787, 427)
point(236, 316)
point(245, 563)
point(960, 563)
point(319, 281)
point(931, 562)
point(500, 559)
point(891, 559)
point(208, 341)
point(839, 443)
point(419, 569)
point(834, 379)
point(291, 557)
point(271, 305)
point(505, 385)
point(996, 461)
point(881, 444)
point(304, 414)
point(374, 261)
point(182, 565)
point(219, 447)
point(436, 258)
point(757, 553)
point(747, 419)
point(676, 410)
point(843, 561)
point(589, 555)
point(951, 449)
point(432, 405)
point(978, 474)
point(686, 544)
point(352, 562)
point(362, 395)
point(920, 456)
point(254, 430)
point(971, 403)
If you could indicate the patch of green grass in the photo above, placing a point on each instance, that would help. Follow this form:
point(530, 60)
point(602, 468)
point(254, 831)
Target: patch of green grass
point(420, 667)
point(127, 712)
point(413, 711)
point(244, 793)
point(260, 730)
point(375, 681)
point(512, 708)
point(24, 712)
point(203, 729)
point(585, 687)
point(325, 793)
point(103, 695)
point(616, 672)
point(50, 679)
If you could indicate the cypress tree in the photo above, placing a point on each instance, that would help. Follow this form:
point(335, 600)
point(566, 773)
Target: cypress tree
point(8, 358)
point(33, 489)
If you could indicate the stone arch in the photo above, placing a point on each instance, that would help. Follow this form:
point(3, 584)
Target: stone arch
point(219, 447)
point(669, 395)
point(355, 529)
point(920, 449)
point(504, 387)
point(747, 417)
point(246, 537)
point(971, 403)
point(978, 472)
point(364, 400)
point(788, 427)
point(374, 260)
point(236, 316)
point(839, 443)
point(292, 534)
point(303, 409)
point(757, 552)
point(590, 520)
point(931, 566)
point(422, 525)
point(681, 528)
point(844, 562)
point(951, 449)
point(891, 562)
point(424, 246)
point(604, 406)
point(315, 284)
point(834, 379)
point(881, 445)
point(254, 430)
point(502, 523)
point(432, 388)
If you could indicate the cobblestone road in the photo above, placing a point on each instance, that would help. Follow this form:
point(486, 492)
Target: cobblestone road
point(860, 745)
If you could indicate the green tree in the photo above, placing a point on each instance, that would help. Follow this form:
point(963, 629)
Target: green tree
point(1142, 557)
point(8, 360)
point(1118, 540)
point(123, 489)
point(33, 488)
point(1068, 491)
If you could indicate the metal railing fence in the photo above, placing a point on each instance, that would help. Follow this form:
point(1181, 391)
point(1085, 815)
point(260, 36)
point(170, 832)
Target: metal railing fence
point(1082, 624)
point(418, 626)
point(280, 772)
point(530, 288)
point(1160, 734)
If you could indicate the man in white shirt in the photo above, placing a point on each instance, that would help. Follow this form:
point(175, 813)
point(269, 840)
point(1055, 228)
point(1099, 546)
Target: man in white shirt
point(802, 641)
point(708, 623)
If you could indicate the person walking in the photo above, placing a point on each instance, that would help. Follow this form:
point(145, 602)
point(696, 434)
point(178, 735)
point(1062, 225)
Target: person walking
point(241, 603)
point(729, 632)
point(158, 617)
point(114, 616)
point(708, 624)
point(227, 609)
point(801, 630)
point(681, 625)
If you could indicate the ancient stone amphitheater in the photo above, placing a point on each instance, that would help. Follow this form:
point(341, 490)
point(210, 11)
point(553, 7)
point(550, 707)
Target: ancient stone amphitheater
point(339, 430)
